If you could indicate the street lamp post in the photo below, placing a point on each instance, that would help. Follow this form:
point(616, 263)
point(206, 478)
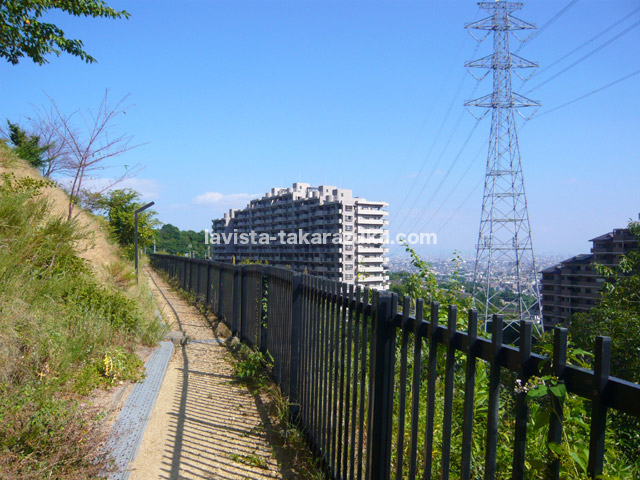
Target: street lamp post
point(135, 240)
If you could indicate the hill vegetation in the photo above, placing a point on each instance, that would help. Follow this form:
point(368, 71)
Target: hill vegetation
point(172, 240)
point(71, 319)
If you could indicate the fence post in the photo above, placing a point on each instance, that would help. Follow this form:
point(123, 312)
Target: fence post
point(556, 417)
point(262, 318)
point(598, 407)
point(296, 320)
point(237, 299)
point(382, 356)
point(208, 294)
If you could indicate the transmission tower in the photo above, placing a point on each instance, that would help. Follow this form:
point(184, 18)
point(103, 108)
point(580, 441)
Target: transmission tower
point(504, 255)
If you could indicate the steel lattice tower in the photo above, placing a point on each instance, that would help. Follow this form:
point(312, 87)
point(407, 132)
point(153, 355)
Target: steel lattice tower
point(504, 239)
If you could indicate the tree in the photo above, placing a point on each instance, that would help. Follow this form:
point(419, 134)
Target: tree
point(617, 315)
point(28, 147)
point(88, 149)
point(119, 207)
point(171, 239)
point(24, 34)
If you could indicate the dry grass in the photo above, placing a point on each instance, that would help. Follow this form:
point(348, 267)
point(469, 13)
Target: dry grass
point(97, 249)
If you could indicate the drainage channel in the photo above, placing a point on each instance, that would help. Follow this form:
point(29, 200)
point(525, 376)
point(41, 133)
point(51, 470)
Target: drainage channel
point(127, 431)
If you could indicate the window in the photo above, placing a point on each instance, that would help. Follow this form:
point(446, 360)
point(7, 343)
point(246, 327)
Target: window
point(348, 257)
point(349, 218)
point(348, 276)
point(348, 248)
point(348, 228)
point(348, 208)
point(348, 266)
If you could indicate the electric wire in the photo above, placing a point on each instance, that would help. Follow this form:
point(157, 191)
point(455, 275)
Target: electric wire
point(457, 210)
point(586, 56)
point(455, 187)
point(593, 92)
point(436, 164)
point(433, 103)
point(446, 175)
point(433, 144)
point(552, 20)
point(584, 44)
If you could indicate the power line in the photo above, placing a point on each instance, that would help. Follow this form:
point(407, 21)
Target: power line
point(433, 103)
point(584, 57)
point(433, 144)
point(579, 47)
point(546, 25)
point(456, 158)
point(455, 187)
point(466, 199)
point(435, 140)
point(593, 92)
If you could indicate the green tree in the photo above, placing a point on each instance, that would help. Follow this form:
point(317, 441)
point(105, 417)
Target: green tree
point(424, 284)
point(119, 207)
point(170, 239)
point(27, 146)
point(24, 34)
point(617, 315)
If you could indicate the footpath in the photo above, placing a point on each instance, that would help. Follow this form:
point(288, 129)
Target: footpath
point(204, 426)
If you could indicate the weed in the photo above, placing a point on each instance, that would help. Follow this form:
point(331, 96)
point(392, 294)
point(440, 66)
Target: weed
point(251, 460)
point(62, 334)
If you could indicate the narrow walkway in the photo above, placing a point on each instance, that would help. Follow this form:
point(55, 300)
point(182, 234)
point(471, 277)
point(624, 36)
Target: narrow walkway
point(203, 426)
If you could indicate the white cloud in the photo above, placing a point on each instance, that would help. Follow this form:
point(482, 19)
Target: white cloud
point(231, 200)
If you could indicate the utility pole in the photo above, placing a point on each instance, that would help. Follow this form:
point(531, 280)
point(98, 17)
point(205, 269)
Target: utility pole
point(504, 238)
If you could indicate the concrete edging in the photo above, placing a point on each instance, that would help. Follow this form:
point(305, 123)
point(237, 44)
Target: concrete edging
point(126, 434)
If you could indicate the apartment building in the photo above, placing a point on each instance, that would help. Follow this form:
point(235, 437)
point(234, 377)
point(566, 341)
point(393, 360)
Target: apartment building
point(573, 285)
point(323, 231)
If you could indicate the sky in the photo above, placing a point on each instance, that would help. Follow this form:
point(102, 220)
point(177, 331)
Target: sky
point(228, 99)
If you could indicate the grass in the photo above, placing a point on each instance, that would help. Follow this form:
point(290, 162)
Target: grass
point(251, 460)
point(63, 333)
point(252, 369)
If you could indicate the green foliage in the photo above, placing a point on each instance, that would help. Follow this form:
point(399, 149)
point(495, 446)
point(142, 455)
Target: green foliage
point(27, 146)
point(621, 460)
point(41, 433)
point(172, 240)
point(24, 34)
point(424, 284)
point(119, 207)
point(617, 315)
point(61, 333)
point(27, 185)
point(119, 310)
point(251, 367)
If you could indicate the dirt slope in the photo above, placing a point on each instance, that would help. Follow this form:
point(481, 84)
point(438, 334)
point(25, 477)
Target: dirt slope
point(99, 250)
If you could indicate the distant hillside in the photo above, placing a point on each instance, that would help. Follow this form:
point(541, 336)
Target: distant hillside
point(172, 240)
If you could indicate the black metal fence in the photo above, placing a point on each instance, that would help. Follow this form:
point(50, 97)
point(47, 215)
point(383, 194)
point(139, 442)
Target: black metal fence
point(350, 361)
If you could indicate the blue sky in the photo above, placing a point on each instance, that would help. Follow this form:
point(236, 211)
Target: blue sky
point(231, 98)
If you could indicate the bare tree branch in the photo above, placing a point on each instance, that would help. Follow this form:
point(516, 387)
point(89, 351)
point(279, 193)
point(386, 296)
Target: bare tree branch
point(89, 148)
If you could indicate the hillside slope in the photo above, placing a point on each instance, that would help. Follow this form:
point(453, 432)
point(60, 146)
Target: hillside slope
point(71, 322)
point(96, 248)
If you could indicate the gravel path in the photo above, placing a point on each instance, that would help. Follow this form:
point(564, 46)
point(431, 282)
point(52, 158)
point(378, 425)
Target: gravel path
point(203, 426)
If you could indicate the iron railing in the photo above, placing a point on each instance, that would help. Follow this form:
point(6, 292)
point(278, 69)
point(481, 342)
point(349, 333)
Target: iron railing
point(335, 351)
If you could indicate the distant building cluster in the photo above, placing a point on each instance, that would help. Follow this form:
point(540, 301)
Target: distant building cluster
point(573, 285)
point(323, 231)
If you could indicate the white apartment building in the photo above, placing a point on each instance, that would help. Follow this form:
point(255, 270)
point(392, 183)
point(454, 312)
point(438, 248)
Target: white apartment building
point(353, 232)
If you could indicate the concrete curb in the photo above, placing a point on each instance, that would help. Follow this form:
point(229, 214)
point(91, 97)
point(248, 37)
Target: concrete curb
point(127, 431)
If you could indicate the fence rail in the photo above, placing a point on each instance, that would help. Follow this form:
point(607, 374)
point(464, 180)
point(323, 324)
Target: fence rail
point(355, 365)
